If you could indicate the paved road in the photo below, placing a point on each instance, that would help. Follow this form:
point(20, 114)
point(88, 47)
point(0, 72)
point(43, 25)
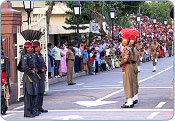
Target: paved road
point(100, 97)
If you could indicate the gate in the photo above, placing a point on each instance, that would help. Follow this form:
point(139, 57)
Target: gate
point(41, 26)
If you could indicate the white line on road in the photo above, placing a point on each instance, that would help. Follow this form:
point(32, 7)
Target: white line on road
point(103, 110)
point(160, 104)
point(7, 115)
point(103, 86)
point(80, 84)
point(111, 94)
point(107, 88)
point(152, 115)
point(19, 107)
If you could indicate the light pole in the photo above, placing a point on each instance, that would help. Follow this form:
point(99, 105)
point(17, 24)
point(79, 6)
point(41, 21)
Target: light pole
point(138, 20)
point(165, 23)
point(112, 14)
point(154, 22)
point(28, 7)
point(77, 12)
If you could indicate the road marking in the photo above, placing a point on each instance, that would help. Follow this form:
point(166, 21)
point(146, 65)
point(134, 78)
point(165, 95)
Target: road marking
point(80, 84)
point(109, 95)
point(7, 115)
point(106, 88)
point(19, 107)
point(103, 86)
point(103, 110)
point(100, 100)
point(152, 115)
point(160, 104)
point(69, 117)
point(155, 74)
point(120, 82)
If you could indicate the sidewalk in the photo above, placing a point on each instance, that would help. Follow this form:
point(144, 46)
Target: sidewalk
point(64, 78)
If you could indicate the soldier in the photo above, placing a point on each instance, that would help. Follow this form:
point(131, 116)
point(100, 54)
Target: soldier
point(134, 72)
point(41, 67)
point(5, 85)
point(29, 81)
point(169, 47)
point(70, 63)
point(154, 51)
point(139, 47)
point(127, 80)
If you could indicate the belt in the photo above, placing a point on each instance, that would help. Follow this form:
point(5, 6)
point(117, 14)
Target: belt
point(71, 59)
point(128, 62)
point(133, 62)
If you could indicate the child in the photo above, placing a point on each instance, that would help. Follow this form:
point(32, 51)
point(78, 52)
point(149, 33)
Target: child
point(85, 58)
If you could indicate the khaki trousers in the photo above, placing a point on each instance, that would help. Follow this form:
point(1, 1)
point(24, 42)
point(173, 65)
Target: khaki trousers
point(127, 82)
point(134, 77)
point(70, 65)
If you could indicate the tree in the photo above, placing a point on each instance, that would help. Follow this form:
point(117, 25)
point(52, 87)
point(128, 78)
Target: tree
point(160, 9)
point(48, 15)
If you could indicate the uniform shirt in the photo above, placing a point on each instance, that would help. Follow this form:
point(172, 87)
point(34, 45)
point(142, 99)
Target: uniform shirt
point(70, 55)
point(57, 53)
point(135, 54)
point(154, 48)
point(139, 47)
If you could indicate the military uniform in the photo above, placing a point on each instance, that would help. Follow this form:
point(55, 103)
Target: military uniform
point(5, 88)
point(139, 47)
point(127, 79)
point(134, 75)
point(169, 47)
point(154, 49)
point(40, 76)
point(29, 84)
point(70, 63)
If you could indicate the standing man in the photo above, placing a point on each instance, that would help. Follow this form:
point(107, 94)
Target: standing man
point(154, 51)
point(134, 72)
point(5, 85)
point(41, 67)
point(29, 81)
point(57, 58)
point(140, 49)
point(77, 64)
point(169, 47)
point(127, 80)
point(70, 64)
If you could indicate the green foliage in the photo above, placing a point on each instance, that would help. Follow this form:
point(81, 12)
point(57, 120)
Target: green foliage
point(47, 2)
point(160, 9)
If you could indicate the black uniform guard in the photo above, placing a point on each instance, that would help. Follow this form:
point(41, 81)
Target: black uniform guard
point(41, 67)
point(5, 85)
point(29, 81)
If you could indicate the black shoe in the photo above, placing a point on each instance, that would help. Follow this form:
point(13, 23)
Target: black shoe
point(135, 102)
point(3, 113)
point(43, 111)
point(36, 113)
point(29, 115)
point(127, 106)
point(154, 70)
point(71, 83)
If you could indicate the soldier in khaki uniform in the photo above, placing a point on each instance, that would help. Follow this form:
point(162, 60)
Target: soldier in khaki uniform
point(169, 47)
point(140, 49)
point(134, 72)
point(127, 80)
point(70, 64)
point(154, 51)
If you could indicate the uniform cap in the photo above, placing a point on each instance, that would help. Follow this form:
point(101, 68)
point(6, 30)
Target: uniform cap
point(36, 43)
point(28, 44)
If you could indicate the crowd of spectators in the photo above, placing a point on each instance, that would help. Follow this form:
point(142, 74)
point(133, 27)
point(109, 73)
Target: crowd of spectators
point(105, 55)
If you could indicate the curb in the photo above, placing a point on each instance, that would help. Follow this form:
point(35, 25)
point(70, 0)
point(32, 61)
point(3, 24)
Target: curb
point(64, 78)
